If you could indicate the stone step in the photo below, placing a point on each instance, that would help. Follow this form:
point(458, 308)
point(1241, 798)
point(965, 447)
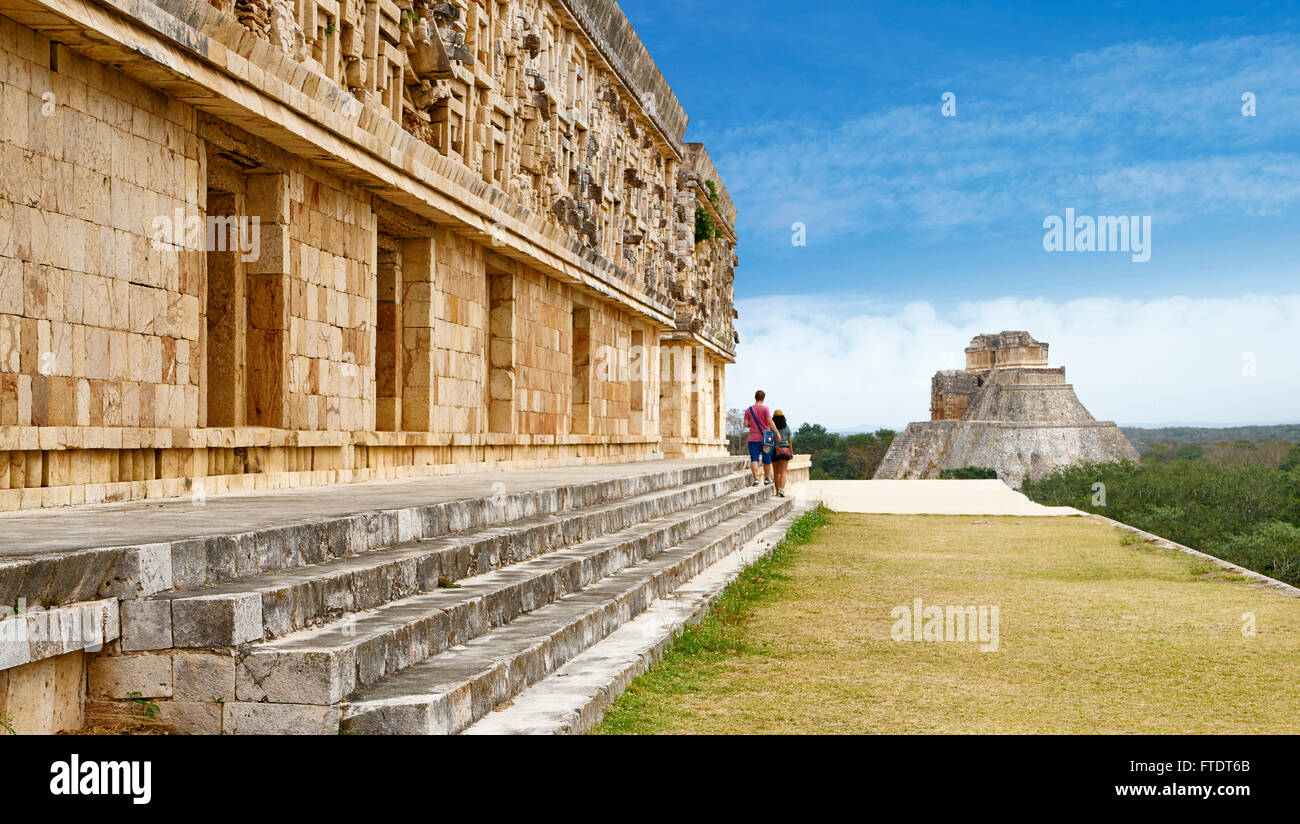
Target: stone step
point(452, 690)
point(323, 665)
point(572, 700)
point(275, 604)
point(898, 456)
point(135, 550)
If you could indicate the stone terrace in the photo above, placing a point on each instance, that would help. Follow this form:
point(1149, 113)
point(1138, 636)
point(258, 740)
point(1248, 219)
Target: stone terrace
point(409, 606)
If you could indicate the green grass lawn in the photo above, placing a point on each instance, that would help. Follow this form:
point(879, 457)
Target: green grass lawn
point(1095, 635)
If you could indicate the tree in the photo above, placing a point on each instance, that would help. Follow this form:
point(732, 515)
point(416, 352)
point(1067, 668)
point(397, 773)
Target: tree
point(1292, 459)
point(837, 457)
point(737, 432)
point(813, 438)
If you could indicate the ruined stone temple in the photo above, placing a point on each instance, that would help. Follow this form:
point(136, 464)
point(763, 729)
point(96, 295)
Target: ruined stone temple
point(1007, 410)
point(438, 284)
point(250, 244)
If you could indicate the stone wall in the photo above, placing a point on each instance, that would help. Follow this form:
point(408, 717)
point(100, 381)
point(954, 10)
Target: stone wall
point(45, 697)
point(97, 327)
point(543, 355)
point(389, 190)
point(950, 393)
point(1004, 350)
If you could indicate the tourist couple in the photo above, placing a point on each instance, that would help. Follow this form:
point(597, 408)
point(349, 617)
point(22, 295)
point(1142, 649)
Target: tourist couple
point(770, 444)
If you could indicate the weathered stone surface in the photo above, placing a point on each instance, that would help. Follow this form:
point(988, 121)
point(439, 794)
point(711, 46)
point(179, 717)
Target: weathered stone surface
point(280, 719)
point(464, 684)
point(1007, 411)
point(45, 697)
point(185, 372)
point(216, 620)
point(573, 698)
point(146, 625)
point(201, 676)
point(610, 526)
point(192, 717)
point(289, 676)
point(38, 633)
point(139, 571)
point(303, 598)
point(130, 676)
point(323, 665)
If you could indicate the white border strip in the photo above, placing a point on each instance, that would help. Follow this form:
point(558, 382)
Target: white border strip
point(1282, 587)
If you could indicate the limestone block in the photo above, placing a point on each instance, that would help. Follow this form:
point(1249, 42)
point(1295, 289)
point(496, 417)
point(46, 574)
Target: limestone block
point(69, 697)
point(26, 697)
point(146, 625)
point(139, 571)
point(216, 620)
point(202, 676)
point(324, 677)
point(118, 676)
point(192, 717)
point(280, 719)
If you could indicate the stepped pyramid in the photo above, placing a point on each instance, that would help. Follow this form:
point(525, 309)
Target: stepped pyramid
point(1007, 410)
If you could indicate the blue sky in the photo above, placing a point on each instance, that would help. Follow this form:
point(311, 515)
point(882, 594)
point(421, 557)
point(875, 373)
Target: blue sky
point(921, 226)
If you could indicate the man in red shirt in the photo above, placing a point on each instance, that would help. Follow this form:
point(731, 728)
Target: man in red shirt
point(759, 420)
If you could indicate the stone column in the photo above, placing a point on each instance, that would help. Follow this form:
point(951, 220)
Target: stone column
point(226, 317)
point(501, 353)
point(419, 317)
point(638, 363)
point(268, 302)
point(580, 396)
point(388, 334)
point(675, 394)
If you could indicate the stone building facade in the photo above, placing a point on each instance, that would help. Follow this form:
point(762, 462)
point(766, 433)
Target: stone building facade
point(1008, 411)
point(248, 244)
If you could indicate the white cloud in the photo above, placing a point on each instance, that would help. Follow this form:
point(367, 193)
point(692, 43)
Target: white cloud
point(1143, 127)
point(849, 361)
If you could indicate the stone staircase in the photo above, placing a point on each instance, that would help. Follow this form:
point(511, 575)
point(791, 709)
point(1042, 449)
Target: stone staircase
point(573, 699)
point(899, 455)
point(424, 620)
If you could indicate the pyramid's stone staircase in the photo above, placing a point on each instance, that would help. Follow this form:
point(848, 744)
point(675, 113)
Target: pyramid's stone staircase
point(425, 619)
point(898, 456)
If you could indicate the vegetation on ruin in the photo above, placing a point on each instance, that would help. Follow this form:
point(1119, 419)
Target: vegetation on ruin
point(713, 193)
point(1095, 636)
point(705, 228)
point(1243, 512)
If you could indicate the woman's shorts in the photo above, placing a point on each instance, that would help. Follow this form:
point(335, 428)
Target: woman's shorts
point(756, 453)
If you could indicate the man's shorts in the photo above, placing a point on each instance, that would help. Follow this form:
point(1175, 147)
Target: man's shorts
point(756, 453)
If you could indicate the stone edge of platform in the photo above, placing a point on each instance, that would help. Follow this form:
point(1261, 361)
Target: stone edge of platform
point(1281, 587)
